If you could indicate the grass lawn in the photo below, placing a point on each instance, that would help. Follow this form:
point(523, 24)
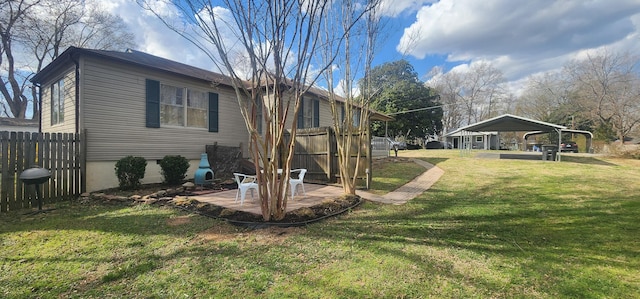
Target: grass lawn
point(487, 228)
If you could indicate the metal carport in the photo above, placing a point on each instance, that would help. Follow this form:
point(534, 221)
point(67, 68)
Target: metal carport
point(587, 134)
point(514, 123)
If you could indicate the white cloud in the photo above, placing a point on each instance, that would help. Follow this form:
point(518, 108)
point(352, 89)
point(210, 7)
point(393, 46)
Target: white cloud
point(517, 37)
point(521, 37)
point(394, 8)
point(154, 37)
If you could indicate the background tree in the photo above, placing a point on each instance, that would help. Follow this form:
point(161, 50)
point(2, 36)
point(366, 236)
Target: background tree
point(607, 90)
point(547, 97)
point(400, 91)
point(12, 82)
point(599, 93)
point(470, 94)
point(279, 40)
point(482, 91)
point(40, 30)
point(448, 86)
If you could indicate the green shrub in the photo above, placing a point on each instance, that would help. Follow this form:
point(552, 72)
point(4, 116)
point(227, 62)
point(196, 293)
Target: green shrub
point(130, 170)
point(174, 169)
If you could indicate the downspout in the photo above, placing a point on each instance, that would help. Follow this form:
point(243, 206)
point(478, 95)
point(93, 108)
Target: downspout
point(77, 91)
point(83, 143)
point(36, 85)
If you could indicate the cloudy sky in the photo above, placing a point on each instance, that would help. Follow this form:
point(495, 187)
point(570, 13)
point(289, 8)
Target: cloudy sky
point(519, 38)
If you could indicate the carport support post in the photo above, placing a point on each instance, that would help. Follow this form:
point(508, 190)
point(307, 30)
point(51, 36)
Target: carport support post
point(559, 144)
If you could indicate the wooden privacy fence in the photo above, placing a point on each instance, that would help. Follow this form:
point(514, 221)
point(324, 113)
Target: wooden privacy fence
point(61, 153)
point(316, 150)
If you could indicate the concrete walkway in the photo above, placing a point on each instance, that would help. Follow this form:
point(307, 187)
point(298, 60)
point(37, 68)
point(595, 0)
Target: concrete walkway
point(410, 190)
point(315, 193)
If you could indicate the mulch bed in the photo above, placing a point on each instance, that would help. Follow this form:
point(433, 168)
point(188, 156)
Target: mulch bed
point(176, 197)
point(296, 217)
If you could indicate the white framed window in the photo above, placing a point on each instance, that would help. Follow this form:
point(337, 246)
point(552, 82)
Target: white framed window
point(197, 109)
point(308, 112)
point(355, 116)
point(57, 102)
point(479, 139)
point(183, 107)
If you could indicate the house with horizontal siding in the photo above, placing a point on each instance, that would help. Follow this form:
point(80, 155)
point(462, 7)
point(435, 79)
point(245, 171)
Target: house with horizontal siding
point(133, 103)
point(18, 124)
point(476, 140)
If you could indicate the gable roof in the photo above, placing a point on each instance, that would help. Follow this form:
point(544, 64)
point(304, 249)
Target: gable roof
point(18, 124)
point(145, 60)
point(11, 121)
point(512, 123)
point(131, 57)
point(458, 133)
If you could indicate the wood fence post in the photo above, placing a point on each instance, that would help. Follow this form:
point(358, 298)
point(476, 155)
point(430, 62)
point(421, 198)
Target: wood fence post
point(46, 163)
point(5, 182)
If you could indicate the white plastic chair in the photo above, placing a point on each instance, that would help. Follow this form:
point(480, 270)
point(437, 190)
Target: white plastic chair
point(297, 181)
point(245, 182)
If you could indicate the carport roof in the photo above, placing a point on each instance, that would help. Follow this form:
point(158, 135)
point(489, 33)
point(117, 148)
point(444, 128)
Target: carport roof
point(511, 123)
point(459, 132)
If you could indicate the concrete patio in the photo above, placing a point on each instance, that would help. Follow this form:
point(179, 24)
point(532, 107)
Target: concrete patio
point(316, 193)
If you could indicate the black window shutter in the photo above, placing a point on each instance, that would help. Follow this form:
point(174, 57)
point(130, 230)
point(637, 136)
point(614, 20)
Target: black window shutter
point(213, 112)
point(316, 113)
point(153, 103)
point(301, 115)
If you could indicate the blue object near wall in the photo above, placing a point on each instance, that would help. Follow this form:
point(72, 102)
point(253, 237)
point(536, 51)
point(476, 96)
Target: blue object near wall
point(204, 174)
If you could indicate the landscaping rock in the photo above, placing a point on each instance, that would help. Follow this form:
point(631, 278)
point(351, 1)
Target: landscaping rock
point(182, 201)
point(115, 198)
point(151, 200)
point(97, 195)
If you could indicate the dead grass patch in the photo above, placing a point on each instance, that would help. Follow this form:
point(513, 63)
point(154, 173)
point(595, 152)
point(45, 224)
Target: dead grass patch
point(267, 236)
point(180, 220)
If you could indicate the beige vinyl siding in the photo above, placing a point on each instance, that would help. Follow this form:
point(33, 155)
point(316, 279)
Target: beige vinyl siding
point(290, 116)
point(113, 108)
point(326, 119)
point(69, 123)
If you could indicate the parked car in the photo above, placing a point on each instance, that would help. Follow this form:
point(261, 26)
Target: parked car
point(413, 146)
point(568, 146)
point(434, 145)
